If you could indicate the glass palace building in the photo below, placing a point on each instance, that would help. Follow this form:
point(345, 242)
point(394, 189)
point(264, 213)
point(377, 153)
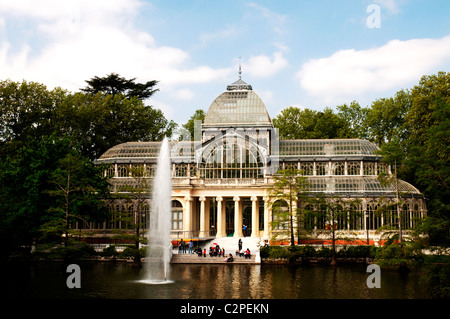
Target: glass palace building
point(221, 179)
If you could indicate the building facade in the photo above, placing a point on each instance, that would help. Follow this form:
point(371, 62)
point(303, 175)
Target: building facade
point(221, 179)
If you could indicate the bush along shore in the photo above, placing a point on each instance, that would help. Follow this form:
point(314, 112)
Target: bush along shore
point(305, 254)
point(387, 256)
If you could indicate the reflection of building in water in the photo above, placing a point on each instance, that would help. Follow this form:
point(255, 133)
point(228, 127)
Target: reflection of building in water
point(221, 181)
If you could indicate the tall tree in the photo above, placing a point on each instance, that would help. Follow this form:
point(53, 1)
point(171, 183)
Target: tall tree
point(355, 116)
point(334, 212)
point(296, 123)
point(115, 84)
point(288, 187)
point(189, 126)
point(139, 193)
point(386, 116)
point(99, 122)
point(29, 196)
point(79, 188)
point(27, 109)
point(428, 146)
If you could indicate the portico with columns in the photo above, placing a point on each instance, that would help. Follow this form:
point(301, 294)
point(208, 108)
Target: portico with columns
point(220, 213)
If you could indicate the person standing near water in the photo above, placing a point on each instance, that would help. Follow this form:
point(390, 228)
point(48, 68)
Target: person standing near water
point(240, 244)
point(191, 245)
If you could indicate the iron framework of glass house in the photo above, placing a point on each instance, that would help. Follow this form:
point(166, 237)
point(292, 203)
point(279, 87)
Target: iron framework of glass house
point(221, 182)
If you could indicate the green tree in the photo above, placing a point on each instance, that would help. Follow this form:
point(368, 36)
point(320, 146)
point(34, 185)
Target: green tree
point(417, 135)
point(27, 109)
point(427, 148)
point(100, 122)
point(113, 84)
point(28, 179)
point(289, 186)
point(189, 126)
point(386, 116)
point(332, 213)
point(296, 123)
point(355, 116)
point(139, 193)
point(79, 188)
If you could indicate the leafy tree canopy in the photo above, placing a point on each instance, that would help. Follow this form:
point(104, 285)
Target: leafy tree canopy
point(115, 84)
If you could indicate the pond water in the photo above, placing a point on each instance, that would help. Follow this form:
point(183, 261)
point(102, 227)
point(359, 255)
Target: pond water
point(210, 281)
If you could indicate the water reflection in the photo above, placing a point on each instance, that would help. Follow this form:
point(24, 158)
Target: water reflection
point(121, 280)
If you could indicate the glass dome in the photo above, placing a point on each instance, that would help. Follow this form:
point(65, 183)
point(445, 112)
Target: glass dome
point(239, 105)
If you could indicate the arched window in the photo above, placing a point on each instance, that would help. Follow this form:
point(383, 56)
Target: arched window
point(338, 168)
point(307, 168)
point(353, 168)
point(321, 168)
point(111, 172)
point(177, 215)
point(181, 170)
point(280, 215)
point(369, 168)
point(374, 216)
point(355, 216)
point(122, 170)
point(231, 158)
point(406, 218)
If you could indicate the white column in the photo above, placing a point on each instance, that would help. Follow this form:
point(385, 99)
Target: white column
point(255, 216)
point(237, 217)
point(187, 220)
point(267, 213)
point(220, 218)
point(202, 200)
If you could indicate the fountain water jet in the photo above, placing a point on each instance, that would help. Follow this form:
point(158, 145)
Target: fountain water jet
point(159, 250)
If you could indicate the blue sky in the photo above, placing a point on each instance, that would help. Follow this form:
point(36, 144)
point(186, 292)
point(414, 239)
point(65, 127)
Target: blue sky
point(312, 54)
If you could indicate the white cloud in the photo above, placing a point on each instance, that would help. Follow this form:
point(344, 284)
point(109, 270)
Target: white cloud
point(79, 39)
point(351, 73)
point(185, 94)
point(263, 65)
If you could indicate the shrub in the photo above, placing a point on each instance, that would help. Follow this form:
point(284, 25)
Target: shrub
point(110, 251)
point(324, 252)
point(130, 251)
point(396, 255)
point(76, 251)
point(438, 279)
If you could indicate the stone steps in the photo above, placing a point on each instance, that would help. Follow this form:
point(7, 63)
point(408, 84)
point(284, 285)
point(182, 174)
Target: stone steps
point(194, 259)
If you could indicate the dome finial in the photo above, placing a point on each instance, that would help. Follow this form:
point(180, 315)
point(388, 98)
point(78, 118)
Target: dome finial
point(240, 71)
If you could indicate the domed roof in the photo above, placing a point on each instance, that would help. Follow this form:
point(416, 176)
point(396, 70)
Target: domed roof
point(239, 105)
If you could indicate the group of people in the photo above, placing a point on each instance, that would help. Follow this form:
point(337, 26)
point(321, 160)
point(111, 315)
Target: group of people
point(214, 251)
point(182, 246)
point(243, 253)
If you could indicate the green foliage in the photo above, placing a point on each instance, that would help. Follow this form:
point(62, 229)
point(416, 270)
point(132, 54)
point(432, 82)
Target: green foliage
point(438, 279)
point(76, 250)
point(357, 252)
point(394, 254)
point(48, 139)
point(308, 251)
point(296, 123)
point(189, 126)
point(109, 251)
point(113, 84)
point(289, 187)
